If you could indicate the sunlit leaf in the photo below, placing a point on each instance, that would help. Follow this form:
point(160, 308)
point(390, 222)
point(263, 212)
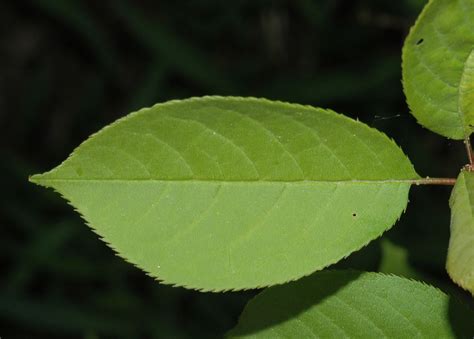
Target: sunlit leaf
point(229, 193)
point(344, 304)
point(438, 68)
point(460, 262)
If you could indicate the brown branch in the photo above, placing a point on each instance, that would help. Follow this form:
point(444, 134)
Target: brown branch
point(470, 153)
point(435, 181)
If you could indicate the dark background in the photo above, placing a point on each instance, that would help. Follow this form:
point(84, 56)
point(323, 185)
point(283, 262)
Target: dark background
point(68, 68)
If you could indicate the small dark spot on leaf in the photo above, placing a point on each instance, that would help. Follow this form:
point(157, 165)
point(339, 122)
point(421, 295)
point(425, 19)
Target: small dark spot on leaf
point(419, 42)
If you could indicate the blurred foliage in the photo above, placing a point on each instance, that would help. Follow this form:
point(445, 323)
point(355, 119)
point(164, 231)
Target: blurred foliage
point(67, 68)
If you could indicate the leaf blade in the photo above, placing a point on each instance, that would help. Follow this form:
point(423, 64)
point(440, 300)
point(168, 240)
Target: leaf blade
point(437, 68)
point(333, 304)
point(277, 214)
point(228, 128)
point(460, 260)
point(220, 193)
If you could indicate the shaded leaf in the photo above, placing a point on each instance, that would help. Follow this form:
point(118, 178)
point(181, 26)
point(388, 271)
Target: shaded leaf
point(438, 68)
point(460, 261)
point(344, 304)
point(395, 261)
point(229, 193)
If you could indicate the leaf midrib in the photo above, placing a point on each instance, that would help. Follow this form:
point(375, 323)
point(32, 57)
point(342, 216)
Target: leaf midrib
point(356, 181)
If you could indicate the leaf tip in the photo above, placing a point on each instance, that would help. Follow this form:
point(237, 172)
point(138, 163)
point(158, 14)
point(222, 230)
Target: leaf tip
point(37, 179)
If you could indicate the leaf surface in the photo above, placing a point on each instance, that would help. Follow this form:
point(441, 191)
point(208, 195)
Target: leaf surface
point(349, 304)
point(230, 193)
point(460, 261)
point(438, 68)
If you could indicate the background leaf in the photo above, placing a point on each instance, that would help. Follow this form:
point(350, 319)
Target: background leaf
point(438, 68)
point(460, 261)
point(395, 261)
point(335, 304)
point(228, 193)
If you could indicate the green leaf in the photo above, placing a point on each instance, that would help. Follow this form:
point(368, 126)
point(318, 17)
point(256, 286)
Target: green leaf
point(345, 304)
point(395, 261)
point(460, 261)
point(229, 193)
point(438, 68)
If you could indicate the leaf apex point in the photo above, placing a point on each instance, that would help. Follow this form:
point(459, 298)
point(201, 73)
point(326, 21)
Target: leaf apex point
point(35, 179)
